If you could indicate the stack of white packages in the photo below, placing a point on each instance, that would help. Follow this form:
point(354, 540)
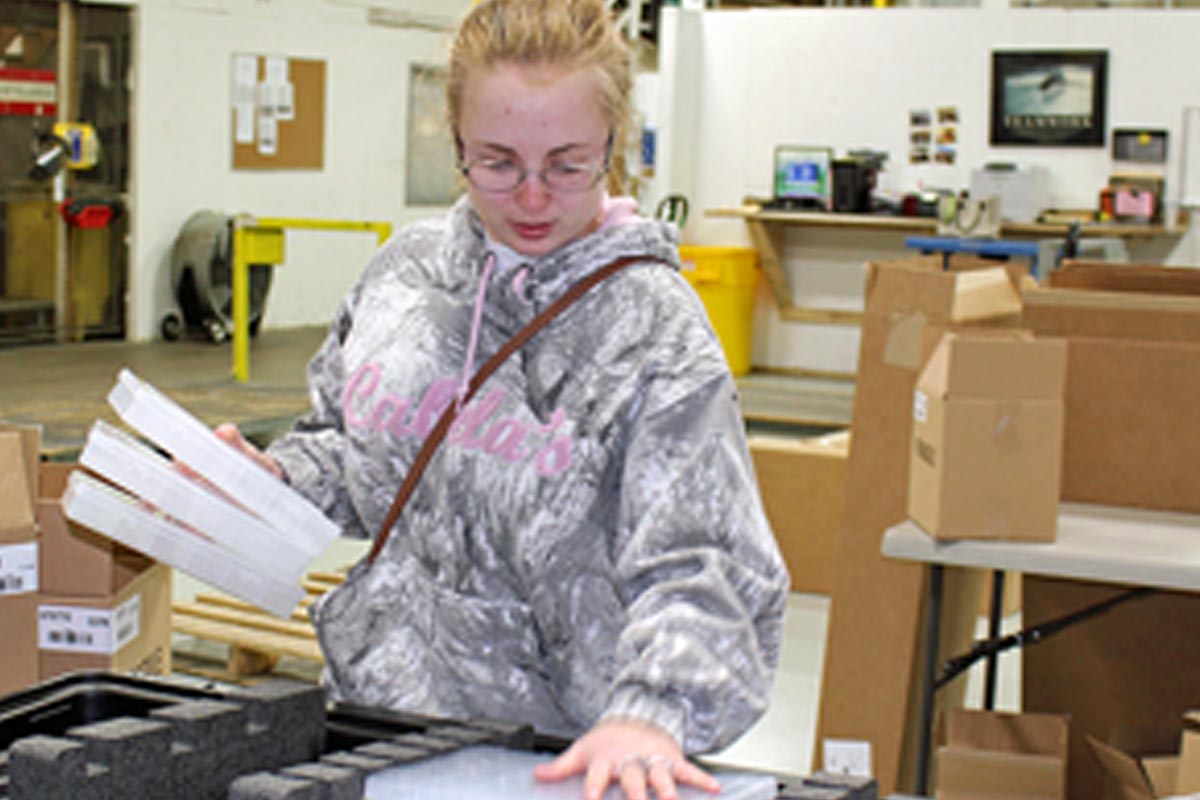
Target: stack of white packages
point(236, 527)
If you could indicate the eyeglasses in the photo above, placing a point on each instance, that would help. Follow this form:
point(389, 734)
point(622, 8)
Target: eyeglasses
point(506, 175)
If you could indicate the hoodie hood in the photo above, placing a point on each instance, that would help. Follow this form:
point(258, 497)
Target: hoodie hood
point(548, 276)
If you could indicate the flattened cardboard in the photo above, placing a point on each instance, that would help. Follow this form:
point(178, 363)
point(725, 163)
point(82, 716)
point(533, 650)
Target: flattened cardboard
point(874, 630)
point(76, 560)
point(149, 652)
point(1133, 373)
point(1107, 276)
point(803, 487)
point(1131, 435)
point(987, 438)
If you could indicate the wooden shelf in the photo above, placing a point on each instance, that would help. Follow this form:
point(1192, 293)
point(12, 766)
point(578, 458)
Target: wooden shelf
point(883, 222)
point(767, 226)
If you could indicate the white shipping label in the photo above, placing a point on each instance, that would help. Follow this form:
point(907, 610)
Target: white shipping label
point(18, 568)
point(847, 757)
point(920, 406)
point(79, 629)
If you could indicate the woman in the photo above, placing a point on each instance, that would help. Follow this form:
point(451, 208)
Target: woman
point(586, 551)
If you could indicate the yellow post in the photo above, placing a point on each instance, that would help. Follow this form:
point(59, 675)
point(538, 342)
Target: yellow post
point(241, 305)
point(260, 240)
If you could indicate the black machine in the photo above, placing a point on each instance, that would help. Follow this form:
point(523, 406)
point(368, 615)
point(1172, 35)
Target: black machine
point(853, 183)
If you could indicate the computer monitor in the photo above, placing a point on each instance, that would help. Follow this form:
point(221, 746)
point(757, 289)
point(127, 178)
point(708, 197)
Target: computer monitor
point(802, 176)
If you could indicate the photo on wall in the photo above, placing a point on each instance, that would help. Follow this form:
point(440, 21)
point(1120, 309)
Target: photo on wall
point(1049, 98)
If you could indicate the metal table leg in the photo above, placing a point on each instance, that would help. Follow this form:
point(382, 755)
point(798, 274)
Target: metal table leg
point(933, 617)
point(995, 612)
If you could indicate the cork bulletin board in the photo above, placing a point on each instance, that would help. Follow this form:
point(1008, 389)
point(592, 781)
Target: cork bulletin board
point(278, 112)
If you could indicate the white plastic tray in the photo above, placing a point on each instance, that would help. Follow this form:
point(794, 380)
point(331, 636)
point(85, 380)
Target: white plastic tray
point(143, 472)
point(123, 518)
point(174, 429)
point(493, 773)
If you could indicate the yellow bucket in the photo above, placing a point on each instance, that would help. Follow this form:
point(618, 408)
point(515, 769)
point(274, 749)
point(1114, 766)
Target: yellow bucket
point(726, 278)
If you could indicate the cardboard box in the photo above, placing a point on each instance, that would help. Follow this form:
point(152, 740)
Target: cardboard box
point(874, 620)
point(1188, 779)
point(1133, 374)
point(1003, 756)
point(19, 572)
point(18, 631)
point(1123, 675)
point(987, 438)
point(124, 632)
point(19, 447)
point(77, 560)
point(1130, 777)
point(1127, 777)
point(803, 487)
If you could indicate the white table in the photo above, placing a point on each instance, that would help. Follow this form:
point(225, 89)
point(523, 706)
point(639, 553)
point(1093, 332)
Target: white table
point(1107, 544)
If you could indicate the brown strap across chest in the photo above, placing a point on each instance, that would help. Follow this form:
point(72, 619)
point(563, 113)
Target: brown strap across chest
point(430, 445)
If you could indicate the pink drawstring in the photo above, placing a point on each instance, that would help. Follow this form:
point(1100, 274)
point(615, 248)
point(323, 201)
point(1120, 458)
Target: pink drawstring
point(518, 283)
point(469, 365)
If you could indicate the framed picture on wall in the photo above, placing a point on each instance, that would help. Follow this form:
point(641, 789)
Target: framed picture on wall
point(1049, 98)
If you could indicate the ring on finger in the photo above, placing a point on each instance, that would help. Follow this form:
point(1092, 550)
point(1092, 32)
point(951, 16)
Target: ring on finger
point(626, 760)
point(656, 759)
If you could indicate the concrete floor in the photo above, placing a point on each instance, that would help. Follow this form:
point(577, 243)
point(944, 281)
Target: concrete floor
point(63, 387)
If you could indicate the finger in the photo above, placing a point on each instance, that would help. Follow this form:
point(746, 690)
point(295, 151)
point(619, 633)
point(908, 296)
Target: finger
point(570, 762)
point(633, 779)
point(599, 773)
point(228, 432)
point(658, 775)
point(688, 774)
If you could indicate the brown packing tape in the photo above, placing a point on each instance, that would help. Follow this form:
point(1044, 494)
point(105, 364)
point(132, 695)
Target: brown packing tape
point(904, 341)
point(1006, 427)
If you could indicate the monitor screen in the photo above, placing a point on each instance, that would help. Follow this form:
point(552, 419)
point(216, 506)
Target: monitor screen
point(802, 174)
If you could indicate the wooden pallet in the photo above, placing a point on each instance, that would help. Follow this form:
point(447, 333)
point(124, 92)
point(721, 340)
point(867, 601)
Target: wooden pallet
point(255, 640)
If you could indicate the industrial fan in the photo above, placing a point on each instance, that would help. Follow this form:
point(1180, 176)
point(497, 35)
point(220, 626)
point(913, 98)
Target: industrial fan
point(202, 279)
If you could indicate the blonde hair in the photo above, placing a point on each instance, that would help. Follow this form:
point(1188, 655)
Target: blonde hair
point(575, 34)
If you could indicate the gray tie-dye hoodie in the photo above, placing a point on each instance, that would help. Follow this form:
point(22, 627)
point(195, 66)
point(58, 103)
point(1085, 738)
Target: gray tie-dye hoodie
point(588, 541)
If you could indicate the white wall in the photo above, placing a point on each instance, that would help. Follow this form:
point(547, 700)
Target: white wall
point(848, 78)
point(183, 150)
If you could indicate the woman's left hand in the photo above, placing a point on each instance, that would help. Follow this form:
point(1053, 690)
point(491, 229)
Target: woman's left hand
point(637, 755)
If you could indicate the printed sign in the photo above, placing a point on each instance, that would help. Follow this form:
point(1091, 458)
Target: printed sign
point(28, 92)
point(78, 629)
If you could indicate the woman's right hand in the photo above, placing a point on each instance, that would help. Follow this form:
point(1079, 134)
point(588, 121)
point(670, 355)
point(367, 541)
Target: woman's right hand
point(228, 432)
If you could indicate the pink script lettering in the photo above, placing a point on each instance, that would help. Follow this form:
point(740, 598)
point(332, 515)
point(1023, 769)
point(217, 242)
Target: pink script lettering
point(476, 427)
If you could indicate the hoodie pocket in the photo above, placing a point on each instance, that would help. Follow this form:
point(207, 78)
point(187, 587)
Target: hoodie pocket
point(393, 637)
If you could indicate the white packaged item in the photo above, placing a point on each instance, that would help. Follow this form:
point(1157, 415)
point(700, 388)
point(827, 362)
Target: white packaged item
point(152, 477)
point(175, 430)
point(1023, 189)
point(127, 520)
